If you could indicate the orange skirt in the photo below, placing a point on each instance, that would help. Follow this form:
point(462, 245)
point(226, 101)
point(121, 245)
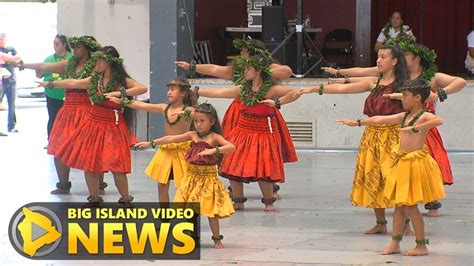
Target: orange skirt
point(258, 155)
point(100, 144)
point(231, 118)
point(75, 110)
point(439, 154)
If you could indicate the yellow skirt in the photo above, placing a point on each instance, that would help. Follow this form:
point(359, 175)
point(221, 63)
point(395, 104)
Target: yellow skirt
point(373, 166)
point(167, 157)
point(415, 178)
point(200, 184)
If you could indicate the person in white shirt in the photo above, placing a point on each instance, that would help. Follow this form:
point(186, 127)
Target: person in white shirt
point(392, 29)
point(470, 53)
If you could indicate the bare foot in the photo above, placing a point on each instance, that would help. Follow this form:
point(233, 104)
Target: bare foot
point(276, 195)
point(59, 191)
point(407, 231)
point(269, 208)
point(377, 229)
point(392, 248)
point(419, 250)
point(239, 206)
point(218, 244)
point(432, 213)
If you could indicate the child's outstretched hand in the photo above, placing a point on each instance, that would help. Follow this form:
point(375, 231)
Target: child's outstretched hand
point(394, 96)
point(207, 152)
point(113, 99)
point(143, 144)
point(348, 122)
point(302, 91)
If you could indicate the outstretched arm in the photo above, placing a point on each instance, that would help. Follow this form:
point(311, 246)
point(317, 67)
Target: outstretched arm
point(67, 83)
point(231, 92)
point(139, 105)
point(350, 88)
point(353, 71)
point(375, 120)
point(58, 67)
point(222, 72)
point(165, 140)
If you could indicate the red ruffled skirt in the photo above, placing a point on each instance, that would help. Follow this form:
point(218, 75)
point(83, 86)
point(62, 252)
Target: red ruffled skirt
point(100, 144)
point(439, 154)
point(258, 155)
point(75, 110)
point(231, 118)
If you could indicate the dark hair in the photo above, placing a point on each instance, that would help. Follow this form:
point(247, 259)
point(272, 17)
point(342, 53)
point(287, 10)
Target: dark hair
point(190, 98)
point(424, 62)
point(63, 40)
point(208, 109)
point(129, 113)
point(418, 86)
point(401, 72)
point(257, 44)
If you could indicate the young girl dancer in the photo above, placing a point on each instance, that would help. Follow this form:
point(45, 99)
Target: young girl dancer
point(200, 183)
point(168, 162)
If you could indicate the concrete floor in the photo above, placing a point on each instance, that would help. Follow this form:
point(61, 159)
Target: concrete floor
point(315, 223)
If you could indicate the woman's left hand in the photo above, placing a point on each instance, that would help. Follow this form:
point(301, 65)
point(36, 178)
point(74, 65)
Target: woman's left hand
point(112, 94)
point(268, 102)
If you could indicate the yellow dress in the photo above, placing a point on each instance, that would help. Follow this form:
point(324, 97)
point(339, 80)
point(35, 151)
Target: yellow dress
point(373, 165)
point(168, 157)
point(200, 184)
point(415, 178)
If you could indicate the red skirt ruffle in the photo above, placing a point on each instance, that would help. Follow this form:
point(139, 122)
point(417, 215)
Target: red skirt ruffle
point(439, 154)
point(100, 144)
point(258, 154)
point(231, 118)
point(75, 110)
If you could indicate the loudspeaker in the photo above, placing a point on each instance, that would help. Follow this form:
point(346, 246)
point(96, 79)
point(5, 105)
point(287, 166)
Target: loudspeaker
point(286, 54)
point(272, 23)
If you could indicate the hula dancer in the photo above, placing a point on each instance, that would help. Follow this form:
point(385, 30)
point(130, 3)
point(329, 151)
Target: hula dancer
point(77, 104)
point(102, 142)
point(200, 183)
point(168, 162)
point(415, 176)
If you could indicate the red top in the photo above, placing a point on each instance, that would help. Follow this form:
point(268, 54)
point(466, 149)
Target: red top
point(197, 147)
point(259, 109)
point(376, 104)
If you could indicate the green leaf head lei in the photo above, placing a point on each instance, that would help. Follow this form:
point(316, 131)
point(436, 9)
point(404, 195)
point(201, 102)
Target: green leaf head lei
point(87, 41)
point(408, 44)
point(107, 58)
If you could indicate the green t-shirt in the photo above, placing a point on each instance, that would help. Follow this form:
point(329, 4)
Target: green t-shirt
point(55, 93)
